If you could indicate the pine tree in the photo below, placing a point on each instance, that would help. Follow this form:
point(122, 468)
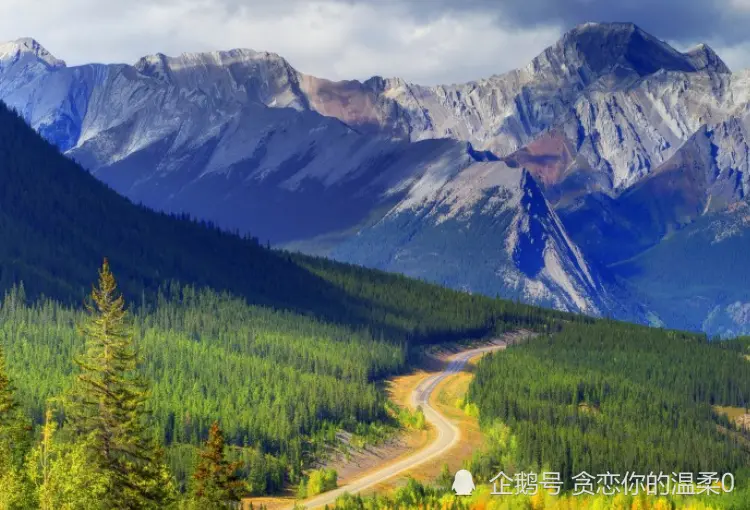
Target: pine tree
point(107, 405)
point(216, 484)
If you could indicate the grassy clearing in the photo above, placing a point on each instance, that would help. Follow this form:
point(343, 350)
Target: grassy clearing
point(733, 413)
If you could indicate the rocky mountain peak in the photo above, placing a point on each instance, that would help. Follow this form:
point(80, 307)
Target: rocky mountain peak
point(237, 75)
point(13, 51)
point(155, 66)
point(603, 46)
point(704, 57)
point(224, 58)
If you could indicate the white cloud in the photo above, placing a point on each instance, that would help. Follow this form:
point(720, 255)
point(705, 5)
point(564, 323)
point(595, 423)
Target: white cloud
point(742, 5)
point(737, 57)
point(337, 40)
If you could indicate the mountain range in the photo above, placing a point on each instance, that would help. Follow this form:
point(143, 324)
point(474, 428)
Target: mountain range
point(608, 176)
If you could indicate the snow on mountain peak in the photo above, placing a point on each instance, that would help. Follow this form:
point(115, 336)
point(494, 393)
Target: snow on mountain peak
point(14, 50)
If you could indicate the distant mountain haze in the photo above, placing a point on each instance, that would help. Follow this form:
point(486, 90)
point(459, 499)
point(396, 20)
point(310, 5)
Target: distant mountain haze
point(563, 183)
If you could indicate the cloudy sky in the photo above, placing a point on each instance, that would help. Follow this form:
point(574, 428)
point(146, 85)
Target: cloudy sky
point(424, 41)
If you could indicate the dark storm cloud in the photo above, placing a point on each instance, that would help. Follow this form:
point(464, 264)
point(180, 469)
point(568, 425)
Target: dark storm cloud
point(723, 21)
point(683, 20)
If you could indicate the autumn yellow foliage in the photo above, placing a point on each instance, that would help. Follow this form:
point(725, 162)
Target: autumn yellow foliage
point(483, 500)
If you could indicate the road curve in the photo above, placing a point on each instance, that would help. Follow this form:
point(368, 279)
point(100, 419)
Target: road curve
point(447, 433)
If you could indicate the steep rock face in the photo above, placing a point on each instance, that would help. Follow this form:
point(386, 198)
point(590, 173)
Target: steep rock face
point(614, 138)
point(704, 58)
point(158, 97)
point(706, 174)
point(223, 78)
point(28, 57)
point(487, 228)
point(625, 101)
point(505, 112)
point(359, 105)
point(680, 235)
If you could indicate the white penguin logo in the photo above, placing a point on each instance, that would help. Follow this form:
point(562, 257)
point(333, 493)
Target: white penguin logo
point(463, 484)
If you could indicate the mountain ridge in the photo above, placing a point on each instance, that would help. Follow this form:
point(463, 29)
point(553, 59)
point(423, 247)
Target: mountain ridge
point(243, 139)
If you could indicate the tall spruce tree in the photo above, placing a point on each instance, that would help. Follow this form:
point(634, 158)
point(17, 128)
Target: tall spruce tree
point(215, 481)
point(107, 405)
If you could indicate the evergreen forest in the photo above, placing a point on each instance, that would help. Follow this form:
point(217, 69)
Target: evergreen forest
point(614, 397)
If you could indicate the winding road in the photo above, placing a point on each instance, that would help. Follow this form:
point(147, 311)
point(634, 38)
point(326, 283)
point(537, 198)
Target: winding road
point(447, 433)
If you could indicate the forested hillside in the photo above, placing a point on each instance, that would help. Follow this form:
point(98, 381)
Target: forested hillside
point(713, 301)
point(615, 397)
point(275, 380)
point(281, 383)
point(606, 397)
point(57, 222)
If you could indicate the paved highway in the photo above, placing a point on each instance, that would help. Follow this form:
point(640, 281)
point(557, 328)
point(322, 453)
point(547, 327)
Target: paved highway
point(447, 433)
